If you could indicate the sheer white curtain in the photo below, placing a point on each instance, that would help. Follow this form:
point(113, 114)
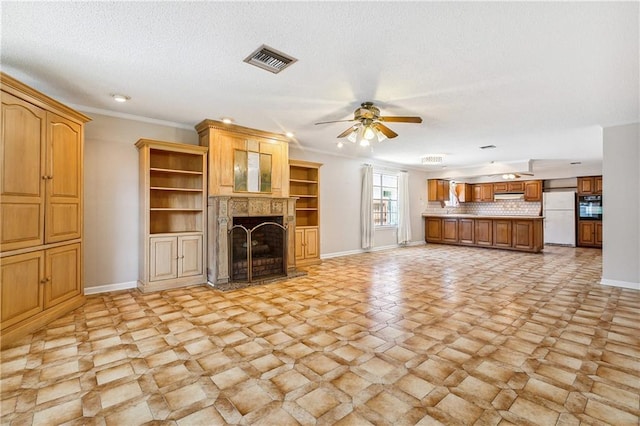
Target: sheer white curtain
point(366, 207)
point(404, 214)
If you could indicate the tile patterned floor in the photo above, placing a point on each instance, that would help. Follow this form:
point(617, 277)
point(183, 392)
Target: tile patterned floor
point(418, 335)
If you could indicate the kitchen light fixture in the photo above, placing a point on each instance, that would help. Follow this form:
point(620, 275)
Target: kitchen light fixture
point(508, 176)
point(120, 98)
point(289, 135)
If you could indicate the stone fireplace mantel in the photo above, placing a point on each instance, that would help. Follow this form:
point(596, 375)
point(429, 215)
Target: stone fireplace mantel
point(222, 210)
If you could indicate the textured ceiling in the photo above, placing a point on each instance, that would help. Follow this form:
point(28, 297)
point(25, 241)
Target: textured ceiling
point(538, 80)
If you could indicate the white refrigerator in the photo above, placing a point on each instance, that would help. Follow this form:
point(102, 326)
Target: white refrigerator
point(559, 211)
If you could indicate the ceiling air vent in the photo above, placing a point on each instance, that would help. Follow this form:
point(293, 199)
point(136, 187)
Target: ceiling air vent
point(488, 147)
point(270, 59)
point(433, 159)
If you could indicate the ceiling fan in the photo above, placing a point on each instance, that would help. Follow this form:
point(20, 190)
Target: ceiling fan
point(509, 176)
point(369, 125)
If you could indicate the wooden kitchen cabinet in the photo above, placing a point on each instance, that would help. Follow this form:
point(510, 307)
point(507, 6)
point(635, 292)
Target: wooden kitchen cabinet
point(464, 192)
point(438, 190)
point(483, 232)
point(508, 187)
point(450, 230)
point(590, 233)
point(465, 231)
point(589, 185)
point(533, 190)
point(482, 192)
point(41, 209)
point(502, 233)
point(433, 230)
point(523, 234)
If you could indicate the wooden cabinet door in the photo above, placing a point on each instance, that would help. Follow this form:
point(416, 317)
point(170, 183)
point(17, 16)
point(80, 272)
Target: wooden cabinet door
point(64, 179)
point(586, 233)
point(597, 184)
point(299, 244)
point(585, 185)
point(22, 189)
point(311, 243)
point(450, 230)
point(476, 196)
point(465, 231)
point(487, 192)
point(190, 255)
point(433, 230)
point(63, 279)
point(516, 187)
point(502, 233)
point(523, 234)
point(500, 187)
point(484, 232)
point(464, 192)
point(598, 234)
point(533, 190)
point(163, 258)
point(21, 292)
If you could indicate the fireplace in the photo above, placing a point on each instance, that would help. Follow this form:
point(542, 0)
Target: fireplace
point(258, 248)
point(250, 238)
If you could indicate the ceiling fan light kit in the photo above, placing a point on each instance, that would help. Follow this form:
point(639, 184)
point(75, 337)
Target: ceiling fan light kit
point(369, 125)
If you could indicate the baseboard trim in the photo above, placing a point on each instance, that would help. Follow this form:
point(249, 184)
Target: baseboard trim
point(623, 284)
point(106, 288)
point(359, 251)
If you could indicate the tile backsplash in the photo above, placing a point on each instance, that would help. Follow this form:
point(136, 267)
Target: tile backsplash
point(496, 208)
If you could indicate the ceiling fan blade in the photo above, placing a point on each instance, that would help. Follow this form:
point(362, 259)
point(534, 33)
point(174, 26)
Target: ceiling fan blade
point(396, 119)
point(346, 132)
point(334, 121)
point(385, 130)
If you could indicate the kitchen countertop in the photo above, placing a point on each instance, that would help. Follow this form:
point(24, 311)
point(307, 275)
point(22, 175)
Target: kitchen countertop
point(480, 216)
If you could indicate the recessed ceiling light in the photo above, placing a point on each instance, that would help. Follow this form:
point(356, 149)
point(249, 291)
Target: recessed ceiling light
point(227, 120)
point(289, 134)
point(120, 98)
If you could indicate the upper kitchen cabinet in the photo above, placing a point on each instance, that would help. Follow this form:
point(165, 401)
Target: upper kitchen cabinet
point(464, 192)
point(244, 161)
point(508, 187)
point(482, 192)
point(533, 190)
point(590, 185)
point(438, 190)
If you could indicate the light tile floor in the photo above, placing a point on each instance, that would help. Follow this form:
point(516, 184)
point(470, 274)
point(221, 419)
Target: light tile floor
point(418, 335)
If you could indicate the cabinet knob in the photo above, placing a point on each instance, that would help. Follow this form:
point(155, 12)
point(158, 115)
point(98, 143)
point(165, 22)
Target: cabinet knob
point(45, 280)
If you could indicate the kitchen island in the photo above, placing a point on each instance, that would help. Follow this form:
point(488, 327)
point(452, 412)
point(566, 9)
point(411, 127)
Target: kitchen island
point(522, 233)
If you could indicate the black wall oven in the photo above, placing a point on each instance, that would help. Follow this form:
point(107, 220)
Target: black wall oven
point(590, 207)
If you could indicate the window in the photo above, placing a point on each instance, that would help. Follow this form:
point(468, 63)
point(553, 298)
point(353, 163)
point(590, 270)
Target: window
point(385, 199)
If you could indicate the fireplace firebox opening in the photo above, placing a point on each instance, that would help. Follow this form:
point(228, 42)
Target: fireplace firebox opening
point(258, 248)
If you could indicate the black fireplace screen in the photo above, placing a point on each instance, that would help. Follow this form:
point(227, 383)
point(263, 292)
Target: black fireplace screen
point(258, 248)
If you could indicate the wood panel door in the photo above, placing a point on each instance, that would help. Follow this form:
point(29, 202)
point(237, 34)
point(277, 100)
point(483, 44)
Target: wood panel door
point(502, 233)
point(465, 231)
point(597, 184)
point(585, 185)
point(598, 234)
point(433, 230)
point(190, 251)
point(163, 256)
point(21, 293)
point(450, 230)
point(22, 189)
point(299, 244)
point(533, 190)
point(63, 180)
point(484, 232)
point(523, 234)
point(63, 280)
point(311, 243)
point(586, 233)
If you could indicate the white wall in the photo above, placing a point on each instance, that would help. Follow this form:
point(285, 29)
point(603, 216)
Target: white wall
point(621, 206)
point(111, 195)
point(340, 186)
